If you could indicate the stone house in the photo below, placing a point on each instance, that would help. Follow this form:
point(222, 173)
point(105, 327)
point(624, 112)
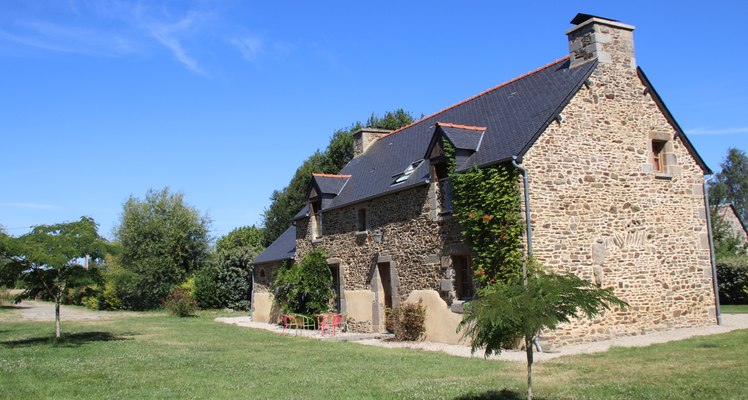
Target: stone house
point(616, 193)
point(736, 226)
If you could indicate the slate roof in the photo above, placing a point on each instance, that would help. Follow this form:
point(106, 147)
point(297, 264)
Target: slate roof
point(513, 113)
point(283, 248)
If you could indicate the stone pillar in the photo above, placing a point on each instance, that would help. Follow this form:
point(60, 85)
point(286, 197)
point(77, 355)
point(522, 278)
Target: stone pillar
point(363, 138)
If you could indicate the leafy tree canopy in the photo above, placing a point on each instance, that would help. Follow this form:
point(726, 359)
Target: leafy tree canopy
point(731, 184)
point(162, 241)
point(231, 273)
point(285, 203)
point(48, 260)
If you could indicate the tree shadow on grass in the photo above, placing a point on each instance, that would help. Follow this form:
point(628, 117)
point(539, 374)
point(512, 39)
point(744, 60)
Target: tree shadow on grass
point(67, 340)
point(11, 307)
point(503, 394)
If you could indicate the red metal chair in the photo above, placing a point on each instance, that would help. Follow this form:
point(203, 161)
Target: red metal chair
point(330, 321)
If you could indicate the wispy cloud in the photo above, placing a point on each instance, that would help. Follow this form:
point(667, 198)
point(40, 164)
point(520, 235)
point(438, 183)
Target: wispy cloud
point(717, 132)
point(106, 29)
point(59, 38)
point(169, 35)
point(250, 46)
point(29, 206)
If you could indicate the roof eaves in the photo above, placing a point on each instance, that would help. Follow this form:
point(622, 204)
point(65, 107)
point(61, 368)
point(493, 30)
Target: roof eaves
point(556, 112)
point(374, 196)
point(669, 116)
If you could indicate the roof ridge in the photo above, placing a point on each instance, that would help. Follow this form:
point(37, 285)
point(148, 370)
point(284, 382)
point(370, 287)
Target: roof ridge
point(458, 126)
point(478, 95)
point(331, 175)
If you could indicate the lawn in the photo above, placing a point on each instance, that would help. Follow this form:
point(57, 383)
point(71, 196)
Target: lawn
point(734, 308)
point(156, 356)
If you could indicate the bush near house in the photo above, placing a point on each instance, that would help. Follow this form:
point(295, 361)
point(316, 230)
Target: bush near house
point(181, 303)
point(732, 276)
point(305, 287)
point(407, 321)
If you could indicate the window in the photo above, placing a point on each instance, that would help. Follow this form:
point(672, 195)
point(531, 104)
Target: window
point(362, 220)
point(316, 219)
point(439, 175)
point(403, 176)
point(658, 156)
point(463, 278)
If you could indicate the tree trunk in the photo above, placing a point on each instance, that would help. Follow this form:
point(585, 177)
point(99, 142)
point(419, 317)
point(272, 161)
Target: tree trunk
point(528, 350)
point(57, 318)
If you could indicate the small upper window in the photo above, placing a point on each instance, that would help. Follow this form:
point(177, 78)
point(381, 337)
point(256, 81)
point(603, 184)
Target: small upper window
point(463, 277)
point(316, 219)
point(658, 156)
point(362, 219)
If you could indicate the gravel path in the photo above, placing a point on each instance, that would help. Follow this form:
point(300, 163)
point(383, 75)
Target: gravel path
point(730, 322)
point(45, 311)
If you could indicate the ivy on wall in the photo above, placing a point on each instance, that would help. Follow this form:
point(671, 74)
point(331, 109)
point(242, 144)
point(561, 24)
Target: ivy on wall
point(486, 203)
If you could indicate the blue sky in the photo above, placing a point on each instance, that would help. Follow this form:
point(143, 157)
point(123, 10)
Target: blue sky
point(222, 100)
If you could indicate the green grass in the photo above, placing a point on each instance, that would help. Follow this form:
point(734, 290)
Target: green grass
point(734, 308)
point(156, 356)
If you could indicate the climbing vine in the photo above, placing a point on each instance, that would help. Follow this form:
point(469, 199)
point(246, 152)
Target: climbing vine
point(486, 203)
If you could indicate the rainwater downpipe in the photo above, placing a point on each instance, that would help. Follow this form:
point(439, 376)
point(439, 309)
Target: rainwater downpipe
point(711, 250)
point(535, 339)
point(527, 215)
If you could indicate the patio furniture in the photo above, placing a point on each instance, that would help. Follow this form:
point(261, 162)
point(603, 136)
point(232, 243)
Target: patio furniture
point(290, 321)
point(330, 321)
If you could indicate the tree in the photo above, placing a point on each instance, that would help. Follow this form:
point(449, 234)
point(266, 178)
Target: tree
point(285, 203)
point(48, 260)
point(731, 184)
point(232, 272)
point(162, 241)
point(505, 312)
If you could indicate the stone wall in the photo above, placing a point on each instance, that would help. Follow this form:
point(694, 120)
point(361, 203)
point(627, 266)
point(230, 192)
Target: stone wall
point(402, 230)
point(262, 299)
point(599, 210)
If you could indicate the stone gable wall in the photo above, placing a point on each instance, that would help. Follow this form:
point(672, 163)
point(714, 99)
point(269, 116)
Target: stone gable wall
point(599, 210)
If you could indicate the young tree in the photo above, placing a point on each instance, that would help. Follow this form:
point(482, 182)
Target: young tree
point(731, 184)
point(506, 312)
point(162, 241)
point(48, 260)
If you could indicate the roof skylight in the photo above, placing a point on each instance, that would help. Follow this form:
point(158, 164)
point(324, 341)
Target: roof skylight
point(403, 176)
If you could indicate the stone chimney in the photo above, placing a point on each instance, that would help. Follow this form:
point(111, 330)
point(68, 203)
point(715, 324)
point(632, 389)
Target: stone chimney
point(607, 40)
point(363, 138)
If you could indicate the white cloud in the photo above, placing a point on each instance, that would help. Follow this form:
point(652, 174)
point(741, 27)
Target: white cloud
point(29, 206)
point(249, 46)
point(717, 132)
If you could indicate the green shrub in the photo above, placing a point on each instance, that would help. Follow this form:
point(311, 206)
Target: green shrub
point(124, 290)
point(91, 302)
point(180, 303)
point(306, 287)
point(4, 295)
point(207, 292)
point(732, 276)
point(407, 321)
point(109, 298)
